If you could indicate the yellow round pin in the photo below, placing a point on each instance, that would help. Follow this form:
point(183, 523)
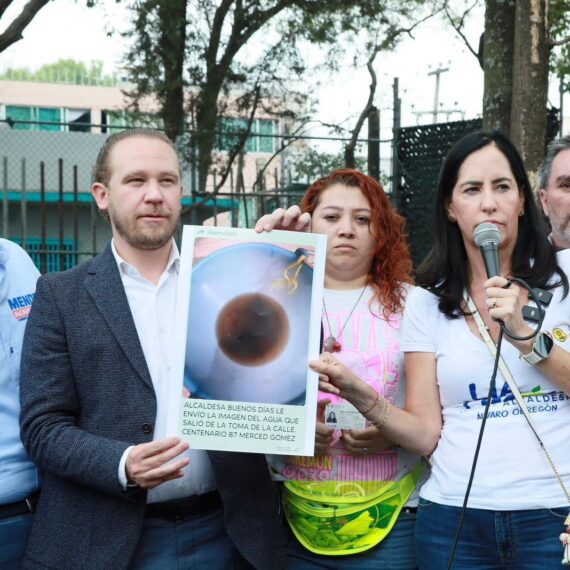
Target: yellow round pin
point(560, 335)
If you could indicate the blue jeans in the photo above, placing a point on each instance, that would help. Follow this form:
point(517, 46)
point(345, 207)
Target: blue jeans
point(521, 540)
point(395, 552)
point(196, 542)
point(14, 533)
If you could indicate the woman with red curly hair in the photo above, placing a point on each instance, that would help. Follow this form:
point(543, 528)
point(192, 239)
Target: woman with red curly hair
point(358, 477)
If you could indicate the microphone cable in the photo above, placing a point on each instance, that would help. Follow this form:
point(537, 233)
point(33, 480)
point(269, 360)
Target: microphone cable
point(541, 312)
point(502, 330)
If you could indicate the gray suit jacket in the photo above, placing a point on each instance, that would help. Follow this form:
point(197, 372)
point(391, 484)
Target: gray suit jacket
point(86, 396)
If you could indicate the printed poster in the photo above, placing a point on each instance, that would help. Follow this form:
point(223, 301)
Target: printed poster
point(248, 322)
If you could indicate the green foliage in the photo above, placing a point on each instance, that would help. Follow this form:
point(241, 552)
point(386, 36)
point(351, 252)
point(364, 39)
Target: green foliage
point(63, 71)
point(310, 164)
point(559, 17)
point(226, 74)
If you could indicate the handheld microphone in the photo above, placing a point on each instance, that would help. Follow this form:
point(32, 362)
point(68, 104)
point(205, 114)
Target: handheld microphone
point(487, 237)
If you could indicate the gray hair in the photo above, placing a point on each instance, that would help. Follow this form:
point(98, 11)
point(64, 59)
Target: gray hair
point(554, 148)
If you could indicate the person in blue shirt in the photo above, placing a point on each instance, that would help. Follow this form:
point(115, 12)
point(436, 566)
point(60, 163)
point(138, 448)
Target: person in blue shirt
point(19, 480)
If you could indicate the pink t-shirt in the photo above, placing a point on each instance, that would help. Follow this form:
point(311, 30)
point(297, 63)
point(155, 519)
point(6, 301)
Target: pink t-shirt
point(371, 349)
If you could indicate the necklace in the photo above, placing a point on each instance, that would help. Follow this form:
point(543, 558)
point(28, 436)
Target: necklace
point(330, 343)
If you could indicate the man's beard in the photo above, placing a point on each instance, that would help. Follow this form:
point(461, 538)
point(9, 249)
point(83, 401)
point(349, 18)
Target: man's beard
point(562, 235)
point(147, 236)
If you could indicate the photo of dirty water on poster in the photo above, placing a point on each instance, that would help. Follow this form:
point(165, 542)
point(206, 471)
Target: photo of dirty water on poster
point(249, 314)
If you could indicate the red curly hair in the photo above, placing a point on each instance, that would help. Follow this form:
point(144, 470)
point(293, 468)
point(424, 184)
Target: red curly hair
point(392, 262)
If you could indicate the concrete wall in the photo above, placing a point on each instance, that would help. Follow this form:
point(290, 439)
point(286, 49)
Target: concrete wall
point(23, 151)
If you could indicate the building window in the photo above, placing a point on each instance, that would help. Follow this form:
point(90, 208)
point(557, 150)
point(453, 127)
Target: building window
point(57, 258)
point(267, 143)
point(17, 113)
point(78, 120)
point(116, 121)
point(43, 115)
point(230, 129)
point(48, 118)
point(229, 132)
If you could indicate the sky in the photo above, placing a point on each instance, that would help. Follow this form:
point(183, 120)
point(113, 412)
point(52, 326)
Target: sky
point(68, 29)
point(65, 29)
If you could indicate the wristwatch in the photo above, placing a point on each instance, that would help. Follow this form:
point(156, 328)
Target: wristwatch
point(541, 348)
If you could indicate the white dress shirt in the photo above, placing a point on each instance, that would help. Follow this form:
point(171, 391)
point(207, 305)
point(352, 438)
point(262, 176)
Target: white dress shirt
point(154, 308)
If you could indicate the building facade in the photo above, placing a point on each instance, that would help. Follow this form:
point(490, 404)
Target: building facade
point(50, 133)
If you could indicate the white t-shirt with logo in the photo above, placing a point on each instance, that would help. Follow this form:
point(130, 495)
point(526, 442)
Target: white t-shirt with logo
point(512, 471)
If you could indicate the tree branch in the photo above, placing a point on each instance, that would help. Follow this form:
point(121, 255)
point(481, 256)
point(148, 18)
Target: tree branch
point(231, 157)
point(459, 27)
point(285, 144)
point(216, 32)
point(4, 6)
point(391, 36)
point(349, 149)
point(245, 25)
point(561, 42)
point(13, 32)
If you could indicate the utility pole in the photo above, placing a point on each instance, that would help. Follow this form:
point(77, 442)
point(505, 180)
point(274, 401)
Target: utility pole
point(374, 143)
point(396, 121)
point(561, 122)
point(437, 72)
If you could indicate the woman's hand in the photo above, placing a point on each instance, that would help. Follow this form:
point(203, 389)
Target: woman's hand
point(503, 303)
point(336, 378)
point(290, 219)
point(364, 441)
point(323, 433)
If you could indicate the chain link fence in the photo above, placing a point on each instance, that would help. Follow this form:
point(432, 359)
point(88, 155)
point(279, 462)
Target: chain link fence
point(45, 184)
point(420, 152)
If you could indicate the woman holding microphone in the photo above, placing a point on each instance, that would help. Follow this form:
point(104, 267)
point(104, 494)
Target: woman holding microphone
point(518, 502)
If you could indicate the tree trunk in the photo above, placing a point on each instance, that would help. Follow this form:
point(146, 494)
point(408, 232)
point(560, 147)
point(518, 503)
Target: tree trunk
point(530, 82)
point(206, 122)
point(374, 146)
point(498, 51)
point(207, 116)
point(172, 44)
point(349, 158)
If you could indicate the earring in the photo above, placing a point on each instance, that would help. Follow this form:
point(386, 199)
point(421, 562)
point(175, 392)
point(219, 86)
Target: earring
point(521, 212)
point(451, 217)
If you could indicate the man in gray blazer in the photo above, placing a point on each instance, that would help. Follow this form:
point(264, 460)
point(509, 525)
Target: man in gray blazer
point(97, 358)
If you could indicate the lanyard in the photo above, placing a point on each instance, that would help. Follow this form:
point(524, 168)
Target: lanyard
point(514, 389)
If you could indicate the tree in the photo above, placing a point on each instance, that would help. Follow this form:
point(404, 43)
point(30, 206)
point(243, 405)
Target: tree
point(64, 71)
point(312, 164)
point(497, 62)
point(383, 38)
point(225, 74)
point(519, 46)
point(530, 82)
point(559, 15)
point(14, 30)
point(157, 57)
